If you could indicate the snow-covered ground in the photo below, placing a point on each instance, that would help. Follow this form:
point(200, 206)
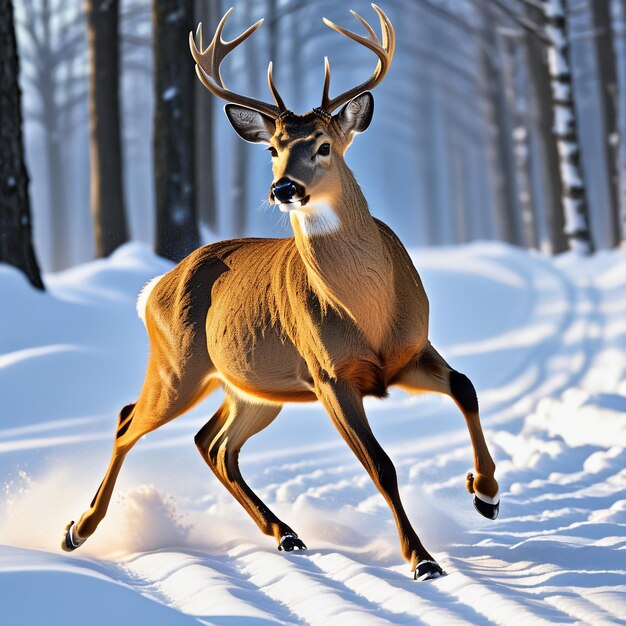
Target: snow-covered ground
point(544, 342)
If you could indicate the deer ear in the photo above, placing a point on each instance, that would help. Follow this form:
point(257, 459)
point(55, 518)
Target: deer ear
point(250, 125)
point(356, 116)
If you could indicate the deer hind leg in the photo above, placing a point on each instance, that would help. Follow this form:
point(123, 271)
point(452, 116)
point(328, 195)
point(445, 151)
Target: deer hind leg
point(157, 405)
point(431, 373)
point(345, 407)
point(219, 442)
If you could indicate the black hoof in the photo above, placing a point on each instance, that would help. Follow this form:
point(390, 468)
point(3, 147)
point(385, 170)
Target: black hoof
point(290, 542)
point(67, 543)
point(486, 509)
point(70, 540)
point(427, 570)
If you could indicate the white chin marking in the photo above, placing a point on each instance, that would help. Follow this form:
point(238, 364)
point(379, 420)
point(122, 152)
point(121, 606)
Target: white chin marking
point(317, 219)
point(487, 499)
point(144, 294)
point(285, 207)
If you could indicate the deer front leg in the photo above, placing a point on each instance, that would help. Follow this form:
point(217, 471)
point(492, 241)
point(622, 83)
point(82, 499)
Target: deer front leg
point(219, 442)
point(345, 407)
point(431, 373)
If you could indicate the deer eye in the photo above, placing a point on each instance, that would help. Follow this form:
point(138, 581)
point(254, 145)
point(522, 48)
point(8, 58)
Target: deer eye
point(273, 151)
point(324, 149)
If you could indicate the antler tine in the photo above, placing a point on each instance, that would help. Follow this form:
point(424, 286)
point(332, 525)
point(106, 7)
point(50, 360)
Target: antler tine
point(275, 94)
point(208, 63)
point(384, 49)
point(325, 99)
point(389, 35)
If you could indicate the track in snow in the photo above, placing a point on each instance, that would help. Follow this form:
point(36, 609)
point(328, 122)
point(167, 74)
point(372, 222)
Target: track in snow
point(545, 344)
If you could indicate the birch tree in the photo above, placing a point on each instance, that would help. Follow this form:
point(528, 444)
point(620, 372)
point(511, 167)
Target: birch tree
point(16, 246)
point(107, 192)
point(574, 196)
point(540, 104)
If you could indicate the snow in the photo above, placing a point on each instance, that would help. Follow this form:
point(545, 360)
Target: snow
point(170, 93)
point(543, 340)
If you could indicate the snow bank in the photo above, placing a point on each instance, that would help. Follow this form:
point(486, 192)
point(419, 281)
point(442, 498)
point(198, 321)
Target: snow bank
point(545, 344)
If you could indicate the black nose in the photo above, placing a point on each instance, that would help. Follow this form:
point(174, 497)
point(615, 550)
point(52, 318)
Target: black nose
point(284, 190)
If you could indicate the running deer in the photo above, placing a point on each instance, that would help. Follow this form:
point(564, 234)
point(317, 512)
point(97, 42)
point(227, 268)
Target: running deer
point(335, 313)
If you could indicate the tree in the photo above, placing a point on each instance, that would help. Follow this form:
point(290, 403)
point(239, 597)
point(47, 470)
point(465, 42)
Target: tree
point(208, 12)
point(516, 85)
point(608, 93)
point(574, 193)
point(107, 193)
point(500, 131)
point(53, 36)
point(174, 80)
point(240, 169)
point(547, 154)
point(16, 246)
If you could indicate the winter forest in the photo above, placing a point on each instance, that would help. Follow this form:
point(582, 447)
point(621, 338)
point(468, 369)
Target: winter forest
point(497, 155)
point(471, 142)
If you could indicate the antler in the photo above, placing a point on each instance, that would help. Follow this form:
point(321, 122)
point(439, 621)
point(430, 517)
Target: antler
point(384, 50)
point(208, 63)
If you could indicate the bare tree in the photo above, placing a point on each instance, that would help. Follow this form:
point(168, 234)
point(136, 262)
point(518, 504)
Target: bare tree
point(174, 79)
point(107, 192)
point(16, 245)
point(574, 196)
point(607, 78)
point(619, 7)
point(208, 12)
point(499, 128)
point(241, 151)
point(516, 85)
point(53, 36)
point(540, 104)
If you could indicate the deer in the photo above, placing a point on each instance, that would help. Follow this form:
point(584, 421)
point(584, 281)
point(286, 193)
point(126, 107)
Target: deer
point(335, 313)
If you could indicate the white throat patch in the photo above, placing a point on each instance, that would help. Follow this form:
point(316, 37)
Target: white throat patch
point(144, 294)
point(317, 219)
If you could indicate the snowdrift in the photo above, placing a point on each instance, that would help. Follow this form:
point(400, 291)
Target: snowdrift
point(544, 342)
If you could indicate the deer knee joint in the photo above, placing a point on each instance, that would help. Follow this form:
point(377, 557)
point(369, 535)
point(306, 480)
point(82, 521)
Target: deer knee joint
point(386, 474)
point(463, 392)
point(125, 420)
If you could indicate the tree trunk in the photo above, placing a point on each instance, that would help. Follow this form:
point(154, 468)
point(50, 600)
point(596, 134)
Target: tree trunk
point(16, 244)
point(620, 53)
point(607, 78)
point(499, 129)
point(47, 79)
point(516, 88)
point(241, 154)
point(542, 110)
point(207, 12)
point(107, 193)
point(174, 78)
point(574, 198)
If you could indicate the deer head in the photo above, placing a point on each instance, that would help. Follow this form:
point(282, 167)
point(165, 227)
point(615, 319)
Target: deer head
point(307, 150)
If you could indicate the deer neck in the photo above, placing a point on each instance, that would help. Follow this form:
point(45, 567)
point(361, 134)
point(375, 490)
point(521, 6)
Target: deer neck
point(347, 263)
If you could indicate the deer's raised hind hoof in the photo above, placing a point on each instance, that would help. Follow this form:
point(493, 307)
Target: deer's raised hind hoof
point(290, 542)
point(427, 570)
point(486, 506)
point(70, 540)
